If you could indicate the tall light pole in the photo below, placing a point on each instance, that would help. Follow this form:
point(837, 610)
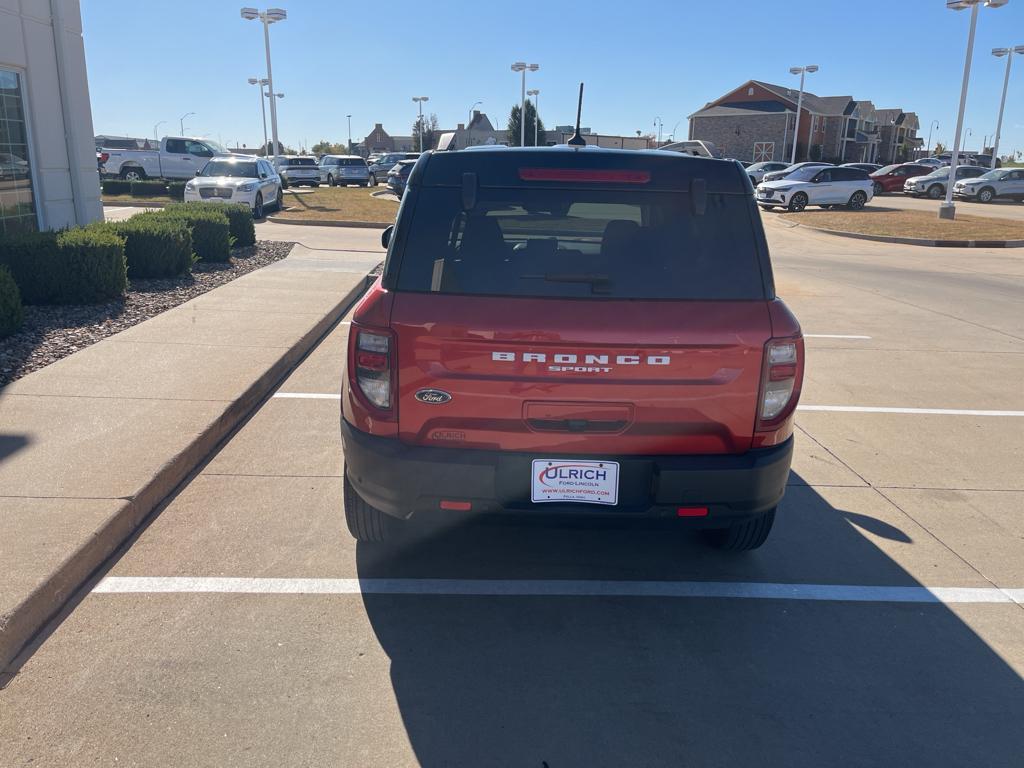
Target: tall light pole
point(522, 66)
point(419, 100)
point(1008, 53)
point(181, 122)
point(164, 121)
point(932, 124)
point(536, 111)
point(658, 124)
point(948, 209)
point(349, 133)
point(469, 123)
point(268, 17)
point(799, 104)
point(263, 109)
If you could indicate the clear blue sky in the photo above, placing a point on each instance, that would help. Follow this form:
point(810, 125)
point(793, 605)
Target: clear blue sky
point(158, 59)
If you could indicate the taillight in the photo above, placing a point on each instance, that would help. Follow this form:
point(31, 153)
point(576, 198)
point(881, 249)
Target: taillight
point(372, 366)
point(779, 381)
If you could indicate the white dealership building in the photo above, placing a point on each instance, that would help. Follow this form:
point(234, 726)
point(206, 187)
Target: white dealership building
point(48, 177)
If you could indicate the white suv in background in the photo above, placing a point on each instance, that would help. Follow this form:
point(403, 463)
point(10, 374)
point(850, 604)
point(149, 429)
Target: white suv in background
point(1002, 182)
point(828, 187)
point(237, 179)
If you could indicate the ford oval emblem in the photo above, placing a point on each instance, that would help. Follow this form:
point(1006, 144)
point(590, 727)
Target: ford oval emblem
point(433, 396)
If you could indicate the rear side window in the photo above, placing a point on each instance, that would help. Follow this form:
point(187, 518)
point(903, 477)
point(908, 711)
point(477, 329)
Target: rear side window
point(615, 244)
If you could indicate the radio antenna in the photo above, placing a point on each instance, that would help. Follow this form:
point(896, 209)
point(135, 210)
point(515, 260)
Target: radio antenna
point(577, 140)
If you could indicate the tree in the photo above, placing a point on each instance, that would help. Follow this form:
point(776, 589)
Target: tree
point(324, 147)
point(939, 148)
point(425, 131)
point(532, 117)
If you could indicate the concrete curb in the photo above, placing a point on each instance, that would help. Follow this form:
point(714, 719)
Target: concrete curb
point(917, 241)
point(133, 204)
point(20, 627)
point(330, 223)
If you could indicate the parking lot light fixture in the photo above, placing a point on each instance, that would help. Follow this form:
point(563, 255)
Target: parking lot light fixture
point(948, 209)
point(522, 66)
point(263, 109)
point(799, 104)
point(268, 17)
point(536, 111)
point(469, 124)
point(419, 100)
point(999, 53)
point(155, 127)
point(181, 122)
point(933, 124)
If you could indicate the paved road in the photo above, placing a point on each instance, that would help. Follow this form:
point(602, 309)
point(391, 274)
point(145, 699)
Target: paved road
point(347, 655)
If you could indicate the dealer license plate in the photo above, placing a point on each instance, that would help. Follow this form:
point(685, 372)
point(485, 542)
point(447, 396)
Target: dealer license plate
point(588, 482)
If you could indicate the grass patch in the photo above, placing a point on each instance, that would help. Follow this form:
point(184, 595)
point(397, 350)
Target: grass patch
point(925, 225)
point(128, 199)
point(338, 204)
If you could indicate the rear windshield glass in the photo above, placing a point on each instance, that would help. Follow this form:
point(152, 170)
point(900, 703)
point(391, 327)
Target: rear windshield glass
point(301, 161)
point(350, 161)
point(587, 243)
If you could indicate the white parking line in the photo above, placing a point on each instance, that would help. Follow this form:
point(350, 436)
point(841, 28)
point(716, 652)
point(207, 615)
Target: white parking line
point(557, 588)
point(308, 395)
point(834, 336)
point(922, 411)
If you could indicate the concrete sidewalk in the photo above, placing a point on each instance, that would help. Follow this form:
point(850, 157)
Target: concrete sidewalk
point(90, 445)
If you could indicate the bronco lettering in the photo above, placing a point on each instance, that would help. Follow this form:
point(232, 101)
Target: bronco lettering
point(570, 358)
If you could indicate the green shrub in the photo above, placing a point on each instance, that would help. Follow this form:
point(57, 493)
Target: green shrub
point(211, 234)
point(33, 259)
point(176, 190)
point(243, 230)
point(154, 247)
point(92, 266)
point(116, 187)
point(10, 304)
point(148, 188)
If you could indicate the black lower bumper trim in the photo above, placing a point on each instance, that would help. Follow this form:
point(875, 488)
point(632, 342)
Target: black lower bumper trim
point(402, 480)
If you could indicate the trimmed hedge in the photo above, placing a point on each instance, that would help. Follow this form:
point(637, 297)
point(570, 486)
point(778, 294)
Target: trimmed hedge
point(116, 187)
point(11, 314)
point(176, 190)
point(211, 233)
point(240, 221)
point(154, 247)
point(148, 188)
point(75, 266)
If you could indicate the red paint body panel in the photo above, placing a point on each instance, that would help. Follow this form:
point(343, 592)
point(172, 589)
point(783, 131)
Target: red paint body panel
point(662, 377)
point(894, 181)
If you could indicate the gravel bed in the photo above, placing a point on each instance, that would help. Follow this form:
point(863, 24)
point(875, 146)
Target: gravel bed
point(51, 332)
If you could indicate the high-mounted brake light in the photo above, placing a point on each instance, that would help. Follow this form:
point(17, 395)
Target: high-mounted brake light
point(372, 365)
point(779, 379)
point(585, 175)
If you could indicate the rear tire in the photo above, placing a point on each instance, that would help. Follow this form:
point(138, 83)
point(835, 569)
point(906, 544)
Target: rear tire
point(365, 523)
point(857, 200)
point(879, 189)
point(798, 202)
point(742, 536)
point(372, 181)
point(330, 180)
point(133, 174)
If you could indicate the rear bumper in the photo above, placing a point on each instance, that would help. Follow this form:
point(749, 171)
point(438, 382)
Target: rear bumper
point(403, 480)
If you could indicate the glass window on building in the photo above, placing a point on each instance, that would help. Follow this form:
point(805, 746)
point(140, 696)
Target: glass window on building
point(17, 204)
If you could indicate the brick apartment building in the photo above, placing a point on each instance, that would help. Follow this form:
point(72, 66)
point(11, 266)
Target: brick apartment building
point(757, 121)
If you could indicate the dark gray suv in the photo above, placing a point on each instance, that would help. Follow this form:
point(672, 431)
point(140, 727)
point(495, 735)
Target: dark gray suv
point(379, 170)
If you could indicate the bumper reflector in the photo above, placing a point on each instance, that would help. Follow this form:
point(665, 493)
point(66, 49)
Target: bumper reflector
point(457, 506)
point(692, 512)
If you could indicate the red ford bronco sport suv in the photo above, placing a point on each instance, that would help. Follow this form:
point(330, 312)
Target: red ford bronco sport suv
point(576, 332)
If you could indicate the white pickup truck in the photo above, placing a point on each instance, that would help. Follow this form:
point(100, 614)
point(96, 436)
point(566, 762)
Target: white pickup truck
point(177, 158)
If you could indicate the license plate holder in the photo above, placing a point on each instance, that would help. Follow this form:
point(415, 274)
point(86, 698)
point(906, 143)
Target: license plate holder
point(580, 481)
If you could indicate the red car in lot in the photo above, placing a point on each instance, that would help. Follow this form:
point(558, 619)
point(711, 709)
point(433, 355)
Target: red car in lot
point(891, 178)
point(565, 331)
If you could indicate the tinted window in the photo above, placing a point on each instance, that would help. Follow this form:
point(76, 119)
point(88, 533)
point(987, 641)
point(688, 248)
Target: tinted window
point(350, 161)
point(823, 177)
point(230, 168)
point(303, 161)
point(198, 149)
point(581, 243)
point(848, 174)
point(177, 146)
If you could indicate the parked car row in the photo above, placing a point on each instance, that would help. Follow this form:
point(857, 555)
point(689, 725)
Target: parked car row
point(827, 186)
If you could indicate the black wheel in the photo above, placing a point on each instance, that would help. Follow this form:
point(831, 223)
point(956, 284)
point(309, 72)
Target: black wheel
point(133, 174)
point(316, 185)
point(372, 181)
point(284, 183)
point(935, 191)
point(330, 180)
point(857, 200)
point(753, 180)
point(742, 536)
point(878, 189)
point(257, 208)
point(767, 207)
point(986, 195)
point(797, 202)
point(278, 206)
point(365, 523)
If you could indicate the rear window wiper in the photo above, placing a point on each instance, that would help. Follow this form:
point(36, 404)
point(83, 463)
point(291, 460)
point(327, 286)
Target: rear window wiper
point(599, 283)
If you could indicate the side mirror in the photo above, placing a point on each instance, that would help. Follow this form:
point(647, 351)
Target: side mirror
point(198, 172)
point(385, 236)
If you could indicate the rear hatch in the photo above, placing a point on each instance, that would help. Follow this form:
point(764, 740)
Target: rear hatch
point(579, 303)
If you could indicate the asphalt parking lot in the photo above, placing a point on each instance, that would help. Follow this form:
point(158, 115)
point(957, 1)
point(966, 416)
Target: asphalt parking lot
point(881, 625)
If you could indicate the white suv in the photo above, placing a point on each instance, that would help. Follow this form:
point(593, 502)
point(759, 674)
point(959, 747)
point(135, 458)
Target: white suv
point(829, 187)
point(1002, 182)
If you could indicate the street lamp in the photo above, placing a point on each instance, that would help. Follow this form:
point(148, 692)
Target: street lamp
point(268, 17)
point(933, 124)
point(536, 111)
point(999, 53)
point(948, 209)
point(799, 104)
point(157, 126)
point(263, 110)
point(658, 124)
point(181, 122)
point(349, 133)
point(469, 123)
point(522, 66)
point(419, 100)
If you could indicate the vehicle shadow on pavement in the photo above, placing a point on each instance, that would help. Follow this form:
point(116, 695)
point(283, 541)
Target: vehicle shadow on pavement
point(627, 681)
